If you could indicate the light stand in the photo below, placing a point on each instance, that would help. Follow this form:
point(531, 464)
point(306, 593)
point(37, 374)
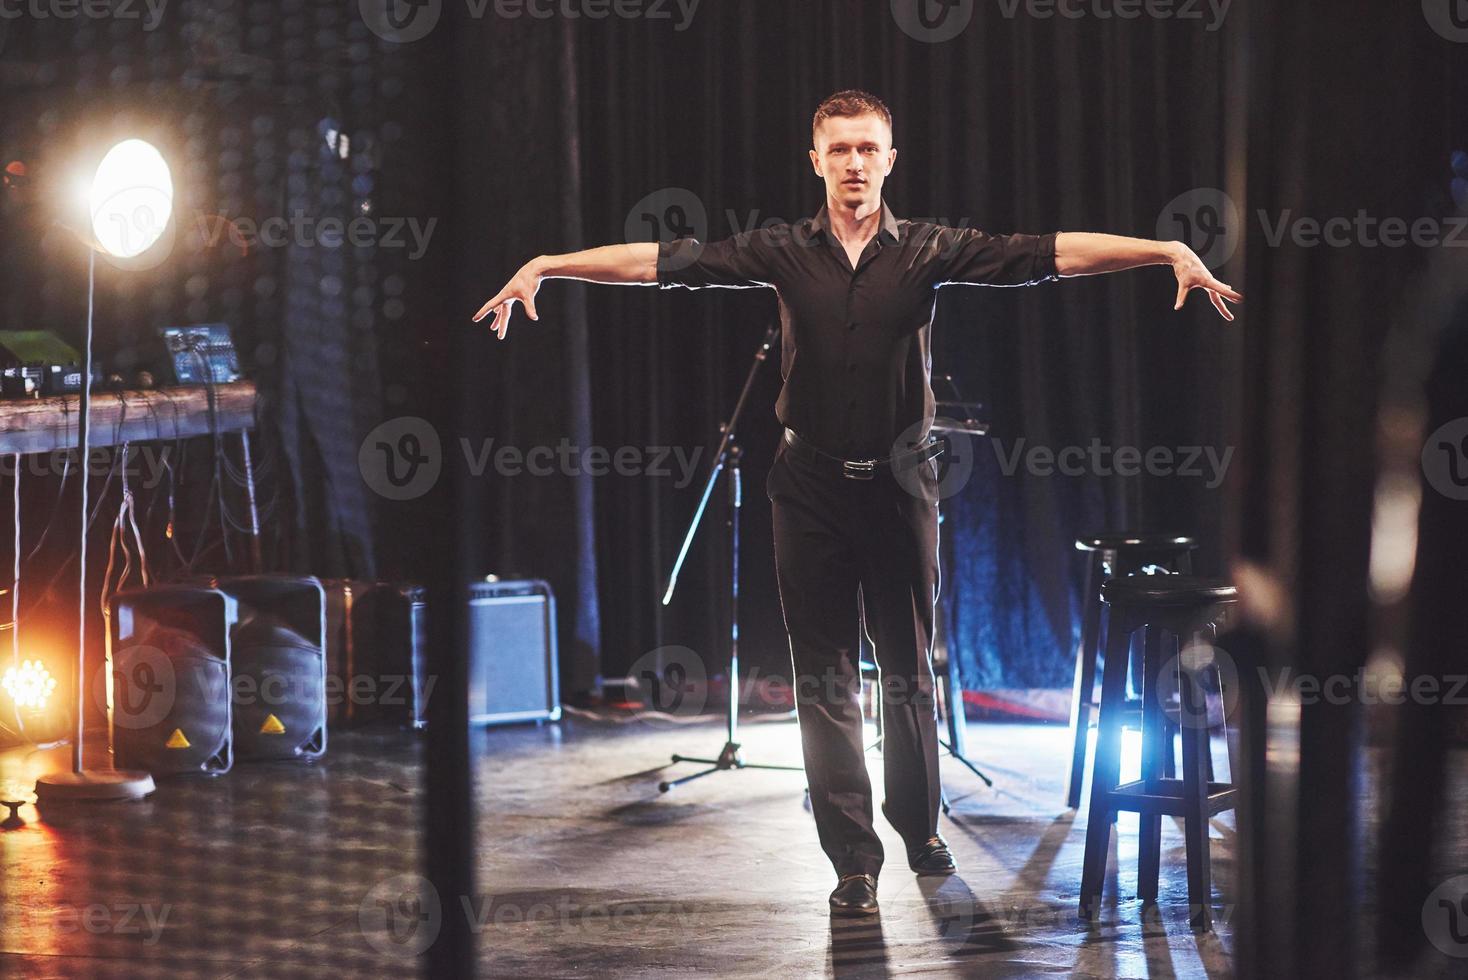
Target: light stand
point(115, 214)
point(726, 461)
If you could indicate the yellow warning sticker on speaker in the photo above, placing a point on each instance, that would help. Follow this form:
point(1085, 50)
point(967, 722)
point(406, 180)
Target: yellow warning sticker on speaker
point(176, 740)
point(272, 726)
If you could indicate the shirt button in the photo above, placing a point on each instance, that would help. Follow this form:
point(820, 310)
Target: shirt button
point(851, 326)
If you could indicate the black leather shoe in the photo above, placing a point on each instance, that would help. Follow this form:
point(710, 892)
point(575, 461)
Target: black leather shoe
point(855, 895)
point(931, 858)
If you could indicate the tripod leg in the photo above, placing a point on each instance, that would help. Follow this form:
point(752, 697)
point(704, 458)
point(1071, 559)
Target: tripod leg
point(965, 760)
point(666, 785)
point(770, 765)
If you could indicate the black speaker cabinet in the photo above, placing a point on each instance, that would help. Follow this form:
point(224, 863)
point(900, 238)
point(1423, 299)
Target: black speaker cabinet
point(278, 666)
point(512, 652)
point(402, 624)
point(170, 651)
point(376, 653)
point(349, 642)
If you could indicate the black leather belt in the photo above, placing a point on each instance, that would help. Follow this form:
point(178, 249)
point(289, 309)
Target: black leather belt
point(861, 469)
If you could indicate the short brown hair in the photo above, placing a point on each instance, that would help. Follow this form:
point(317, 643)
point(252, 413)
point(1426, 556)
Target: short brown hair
point(850, 102)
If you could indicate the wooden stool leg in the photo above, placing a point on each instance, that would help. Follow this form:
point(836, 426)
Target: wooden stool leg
point(1154, 741)
point(1195, 802)
point(1106, 771)
point(1230, 737)
point(1085, 679)
point(1208, 758)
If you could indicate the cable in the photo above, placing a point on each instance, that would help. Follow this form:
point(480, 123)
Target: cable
point(55, 578)
point(55, 505)
point(15, 605)
point(126, 520)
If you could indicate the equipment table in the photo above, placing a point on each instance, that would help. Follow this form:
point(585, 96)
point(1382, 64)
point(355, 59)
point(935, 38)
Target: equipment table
point(49, 424)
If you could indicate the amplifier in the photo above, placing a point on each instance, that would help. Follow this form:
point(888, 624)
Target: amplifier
point(343, 658)
point(38, 362)
point(377, 647)
point(512, 652)
point(376, 651)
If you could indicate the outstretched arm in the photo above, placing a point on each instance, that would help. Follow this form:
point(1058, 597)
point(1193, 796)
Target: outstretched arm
point(632, 264)
point(1084, 254)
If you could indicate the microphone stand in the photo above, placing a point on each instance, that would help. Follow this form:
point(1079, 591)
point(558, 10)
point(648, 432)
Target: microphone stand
point(727, 458)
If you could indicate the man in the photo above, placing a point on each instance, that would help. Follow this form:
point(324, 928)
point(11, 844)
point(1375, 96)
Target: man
point(853, 486)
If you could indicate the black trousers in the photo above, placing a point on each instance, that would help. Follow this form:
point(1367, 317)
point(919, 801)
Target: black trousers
point(847, 553)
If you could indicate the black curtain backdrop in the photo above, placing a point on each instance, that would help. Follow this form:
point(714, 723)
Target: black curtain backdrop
point(521, 135)
point(1354, 109)
point(618, 128)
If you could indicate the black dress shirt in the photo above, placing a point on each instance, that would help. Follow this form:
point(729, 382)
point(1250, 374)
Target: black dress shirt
point(855, 352)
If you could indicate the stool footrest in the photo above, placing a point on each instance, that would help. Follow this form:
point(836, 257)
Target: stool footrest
point(1165, 796)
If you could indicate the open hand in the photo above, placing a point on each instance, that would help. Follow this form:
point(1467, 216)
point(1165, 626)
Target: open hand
point(521, 288)
point(1193, 274)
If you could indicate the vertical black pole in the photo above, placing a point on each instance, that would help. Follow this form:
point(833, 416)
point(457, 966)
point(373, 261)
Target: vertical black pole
point(458, 536)
point(736, 490)
point(449, 808)
point(83, 434)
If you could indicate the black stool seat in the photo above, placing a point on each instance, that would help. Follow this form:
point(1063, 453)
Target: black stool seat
point(1167, 590)
point(1118, 540)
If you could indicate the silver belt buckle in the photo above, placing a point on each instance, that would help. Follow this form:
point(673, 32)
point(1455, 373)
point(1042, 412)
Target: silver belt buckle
point(858, 469)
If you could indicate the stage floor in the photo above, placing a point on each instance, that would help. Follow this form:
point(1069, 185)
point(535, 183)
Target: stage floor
point(585, 869)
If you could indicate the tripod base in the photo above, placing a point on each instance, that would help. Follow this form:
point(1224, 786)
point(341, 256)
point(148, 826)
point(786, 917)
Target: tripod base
point(942, 797)
point(965, 760)
point(729, 758)
point(93, 786)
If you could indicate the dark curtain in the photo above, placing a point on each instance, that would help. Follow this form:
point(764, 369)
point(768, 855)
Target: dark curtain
point(517, 176)
point(1354, 109)
point(1015, 125)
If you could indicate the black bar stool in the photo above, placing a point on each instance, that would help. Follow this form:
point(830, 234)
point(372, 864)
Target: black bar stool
point(1112, 554)
point(1179, 606)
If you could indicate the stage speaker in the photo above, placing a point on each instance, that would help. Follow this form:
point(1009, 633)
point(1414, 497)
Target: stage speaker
point(512, 652)
point(278, 674)
point(170, 650)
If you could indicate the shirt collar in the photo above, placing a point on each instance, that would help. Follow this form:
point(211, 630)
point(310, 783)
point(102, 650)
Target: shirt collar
point(887, 230)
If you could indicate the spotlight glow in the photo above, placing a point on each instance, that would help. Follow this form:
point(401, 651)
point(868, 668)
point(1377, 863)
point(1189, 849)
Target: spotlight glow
point(130, 198)
point(29, 685)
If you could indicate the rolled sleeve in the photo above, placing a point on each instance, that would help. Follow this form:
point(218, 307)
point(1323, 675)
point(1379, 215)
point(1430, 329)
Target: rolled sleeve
point(739, 262)
point(973, 257)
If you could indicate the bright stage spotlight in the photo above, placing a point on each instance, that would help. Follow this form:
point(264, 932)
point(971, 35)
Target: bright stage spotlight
point(129, 201)
point(29, 686)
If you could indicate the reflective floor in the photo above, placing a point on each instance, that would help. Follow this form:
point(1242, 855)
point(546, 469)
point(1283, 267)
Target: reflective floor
point(585, 869)
point(725, 874)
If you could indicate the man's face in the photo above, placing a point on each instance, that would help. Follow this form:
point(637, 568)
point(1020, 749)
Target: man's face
point(854, 155)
